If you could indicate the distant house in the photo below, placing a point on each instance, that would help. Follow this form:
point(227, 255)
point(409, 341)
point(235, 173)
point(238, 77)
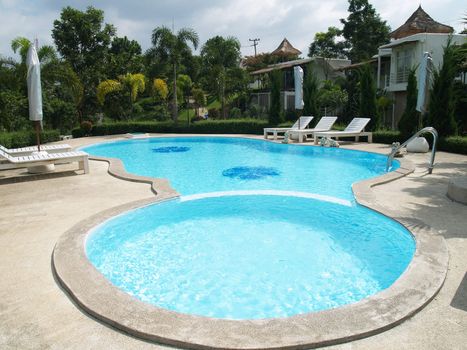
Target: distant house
point(323, 68)
point(419, 34)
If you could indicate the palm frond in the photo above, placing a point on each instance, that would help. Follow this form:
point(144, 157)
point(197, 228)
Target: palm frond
point(188, 35)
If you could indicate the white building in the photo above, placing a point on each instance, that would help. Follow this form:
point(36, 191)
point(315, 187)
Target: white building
point(419, 34)
point(323, 69)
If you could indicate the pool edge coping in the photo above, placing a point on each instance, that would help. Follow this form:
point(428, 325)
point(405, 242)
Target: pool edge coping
point(415, 288)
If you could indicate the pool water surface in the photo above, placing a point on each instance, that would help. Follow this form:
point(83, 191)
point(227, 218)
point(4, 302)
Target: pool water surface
point(250, 257)
point(212, 164)
point(262, 230)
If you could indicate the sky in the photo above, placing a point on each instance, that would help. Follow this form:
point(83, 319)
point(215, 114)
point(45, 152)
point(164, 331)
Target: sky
point(268, 20)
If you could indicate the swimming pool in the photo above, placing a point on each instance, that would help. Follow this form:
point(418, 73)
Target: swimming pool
point(242, 200)
point(211, 164)
point(297, 219)
point(250, 256)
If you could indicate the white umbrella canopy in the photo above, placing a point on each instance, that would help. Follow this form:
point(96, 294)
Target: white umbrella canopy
point(34, 90)
point(423, 83)
point(298, 80)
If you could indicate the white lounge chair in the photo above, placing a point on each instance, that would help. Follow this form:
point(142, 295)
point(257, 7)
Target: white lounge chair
point(324, 124)
point(28, 150)
point(300, 124)
point(354, 129)
point(44, 158)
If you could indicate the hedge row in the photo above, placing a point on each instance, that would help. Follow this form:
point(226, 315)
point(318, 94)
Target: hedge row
point(27, 138)
point(387, 137)
point(452, 144)
point(238, 126)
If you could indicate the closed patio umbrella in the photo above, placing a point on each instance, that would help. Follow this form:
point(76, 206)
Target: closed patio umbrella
point(423, 83)
point(34, 90)
point(298, 80)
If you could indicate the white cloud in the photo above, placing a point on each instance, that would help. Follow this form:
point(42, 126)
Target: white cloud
point(269, 20)
point(16, 23)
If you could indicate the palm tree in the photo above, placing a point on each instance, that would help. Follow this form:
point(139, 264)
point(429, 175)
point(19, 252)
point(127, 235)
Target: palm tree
point(133, 83)
point(46, 53)
point(171, 47)
point(220, 56)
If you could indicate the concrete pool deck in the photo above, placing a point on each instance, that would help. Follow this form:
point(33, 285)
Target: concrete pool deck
point(35, 313)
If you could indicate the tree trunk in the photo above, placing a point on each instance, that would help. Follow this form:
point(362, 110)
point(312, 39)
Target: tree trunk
point(174, 105)
point(131, 105)
point(187, 101)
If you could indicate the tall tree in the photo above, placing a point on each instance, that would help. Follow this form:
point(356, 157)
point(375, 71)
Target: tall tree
point(83, 40)
point(310, 93)
point(171, 47)
point(409, 121)
point(61, 88)
point(184, 85)
point(442, 102)
point(364, 30)
point(124, 57)
point(199, 97)
point(275, 115)
point(464, 20)
point(368, 97)
point(13, 100)
point(326, 45)
point(219, 56)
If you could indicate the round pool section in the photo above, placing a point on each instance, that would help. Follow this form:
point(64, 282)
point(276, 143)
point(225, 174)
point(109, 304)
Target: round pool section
point(251, 256)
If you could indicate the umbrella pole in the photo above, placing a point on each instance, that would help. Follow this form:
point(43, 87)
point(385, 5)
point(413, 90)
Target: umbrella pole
point(37, 125)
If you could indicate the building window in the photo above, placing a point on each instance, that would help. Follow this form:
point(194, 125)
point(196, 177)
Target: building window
point(403, 65)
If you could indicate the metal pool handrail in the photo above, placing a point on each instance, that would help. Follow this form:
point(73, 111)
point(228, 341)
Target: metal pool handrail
point(418, 133)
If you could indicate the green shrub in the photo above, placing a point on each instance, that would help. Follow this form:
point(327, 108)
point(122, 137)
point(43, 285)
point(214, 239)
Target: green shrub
point(137, 109)
point(86, 126)
point(254, 111)
point(291, 115)
point(27, 138)
point(339, 126)
point(388, 137)
point(235, 113)
point(233, 126)
point(452, 144)
point(213, 113)
point(77, 133)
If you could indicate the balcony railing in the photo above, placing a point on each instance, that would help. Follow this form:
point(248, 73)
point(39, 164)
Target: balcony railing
point(401, 76)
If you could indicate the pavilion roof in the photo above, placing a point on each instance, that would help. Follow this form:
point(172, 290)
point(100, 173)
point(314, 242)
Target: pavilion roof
point(286, 49)
point(420, 22)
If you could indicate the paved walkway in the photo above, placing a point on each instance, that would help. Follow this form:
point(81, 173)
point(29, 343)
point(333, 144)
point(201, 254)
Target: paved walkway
point(36, 314)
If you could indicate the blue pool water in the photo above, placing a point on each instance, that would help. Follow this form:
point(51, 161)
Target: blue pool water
point(250, 257)
point(209, 164)
point(262, 230)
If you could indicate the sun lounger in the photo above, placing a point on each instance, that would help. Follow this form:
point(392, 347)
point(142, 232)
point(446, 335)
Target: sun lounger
point(300, 124)
point(354, 129)
point(324, 124)
point(28, 150)
point(44, 158)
